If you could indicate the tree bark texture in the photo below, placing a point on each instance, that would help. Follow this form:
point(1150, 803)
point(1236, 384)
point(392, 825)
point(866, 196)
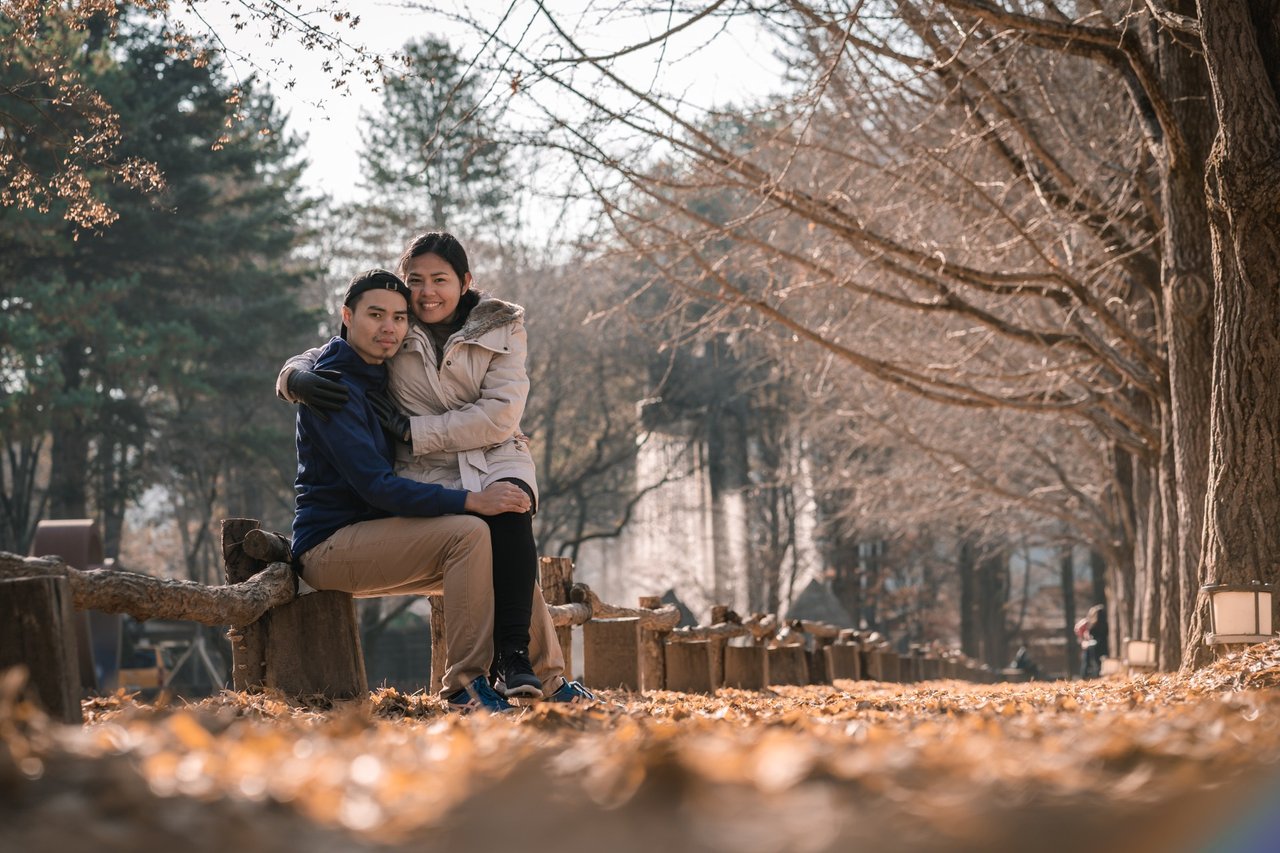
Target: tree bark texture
point(1123, 575)
point(1067, 578)
point(439, 649)
point(556, 578)
point(1098, 570)
point(1147, 620)
point(144, 597)
point(970, 640)
point(37, 632)
point(248, 642)
point(1241, 43)
point(308, 645)
point(993, 594)
point(1187, 285)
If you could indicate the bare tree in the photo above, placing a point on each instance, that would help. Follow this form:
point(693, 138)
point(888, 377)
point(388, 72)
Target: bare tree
point(947, 170)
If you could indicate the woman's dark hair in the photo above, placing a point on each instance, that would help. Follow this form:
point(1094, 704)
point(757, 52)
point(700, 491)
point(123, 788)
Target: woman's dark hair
point(440, 243)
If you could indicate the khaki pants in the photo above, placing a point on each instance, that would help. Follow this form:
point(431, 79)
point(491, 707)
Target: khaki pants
point(544, 646)
point(448, 555)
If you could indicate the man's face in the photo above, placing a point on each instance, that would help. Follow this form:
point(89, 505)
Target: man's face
point(376, 324)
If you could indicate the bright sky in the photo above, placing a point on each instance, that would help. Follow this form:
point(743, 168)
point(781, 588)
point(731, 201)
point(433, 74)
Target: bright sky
point(709, 64)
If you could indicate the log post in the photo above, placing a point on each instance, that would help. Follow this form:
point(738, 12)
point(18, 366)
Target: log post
point(556, 576)
point(611, 653)
point(891, 666)
point(788, 665)
point(745, 667)
point(842, 661)
point(720, 615)
point(866, 663)
point(248, 642)
point(653, 660)
point(309, 646)
point(37, 631)
point(439, 647)
point(688, 666)
point(816, 662)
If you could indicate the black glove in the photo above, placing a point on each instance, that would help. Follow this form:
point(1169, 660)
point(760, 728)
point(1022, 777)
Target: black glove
point(318, 390)
point(395, 422)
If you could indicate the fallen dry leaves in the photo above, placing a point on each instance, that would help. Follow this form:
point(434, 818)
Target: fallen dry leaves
point(1143, 763)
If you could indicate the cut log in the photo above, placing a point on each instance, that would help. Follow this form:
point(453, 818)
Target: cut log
point(439, 647)
point(248, 642)
point(821, 629)
point(744, 667)
point(653, 656)
point(611, 653)
point(788, 665)
point(816, 665)
point(556, 576)
point(37, 633)
point(309, 646)
point(726, 631)
point(267, 546)
point(842, 661)
point(313, 647)
point(661, 617)
point(568, 615)
point(688, 666)
point(144, 597)
point(891, 665)
point(762, 625)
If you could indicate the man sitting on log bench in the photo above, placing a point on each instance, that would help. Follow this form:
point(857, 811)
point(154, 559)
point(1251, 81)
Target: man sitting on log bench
point(361, 529)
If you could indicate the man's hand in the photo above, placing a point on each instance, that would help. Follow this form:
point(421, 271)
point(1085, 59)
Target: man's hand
point(395, 422)
point(318, 390)
point(497, 499)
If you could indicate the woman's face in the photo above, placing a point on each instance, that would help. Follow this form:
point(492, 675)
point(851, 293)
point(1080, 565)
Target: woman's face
point(436, 288)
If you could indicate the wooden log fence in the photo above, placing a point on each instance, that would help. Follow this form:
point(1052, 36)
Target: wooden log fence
point(305, 642)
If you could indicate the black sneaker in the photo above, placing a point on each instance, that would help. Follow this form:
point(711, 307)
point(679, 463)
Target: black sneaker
point(515, 676)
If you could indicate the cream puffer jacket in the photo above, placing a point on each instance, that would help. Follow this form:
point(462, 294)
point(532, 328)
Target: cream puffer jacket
point(464, 416)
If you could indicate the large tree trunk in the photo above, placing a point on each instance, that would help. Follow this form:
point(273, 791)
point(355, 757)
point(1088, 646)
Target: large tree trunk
point(966, 568)
point(993, 595)
point(1147, 619)
point(1242, 539)
point(1098, 572)
point(1120, 580)
point(1187, 285)
point(1067, 577)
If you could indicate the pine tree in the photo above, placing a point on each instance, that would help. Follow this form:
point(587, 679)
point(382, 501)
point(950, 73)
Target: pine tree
point(141, 354)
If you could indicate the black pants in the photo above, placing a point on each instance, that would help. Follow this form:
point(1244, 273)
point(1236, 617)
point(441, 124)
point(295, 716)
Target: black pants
point(515, 569)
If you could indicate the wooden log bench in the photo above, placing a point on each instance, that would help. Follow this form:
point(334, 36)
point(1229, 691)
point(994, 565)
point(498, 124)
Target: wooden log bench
point(53, 589)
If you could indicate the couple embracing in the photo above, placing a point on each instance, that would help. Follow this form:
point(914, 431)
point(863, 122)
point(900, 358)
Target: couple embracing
point(414, 477)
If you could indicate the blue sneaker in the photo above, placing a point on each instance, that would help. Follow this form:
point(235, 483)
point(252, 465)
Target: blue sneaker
point(479, 696)
point(571, 692)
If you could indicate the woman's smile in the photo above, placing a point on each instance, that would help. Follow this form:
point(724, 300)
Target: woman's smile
point(436, 287)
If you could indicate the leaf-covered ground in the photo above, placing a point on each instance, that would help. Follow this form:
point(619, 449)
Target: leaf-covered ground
point(1146, 763)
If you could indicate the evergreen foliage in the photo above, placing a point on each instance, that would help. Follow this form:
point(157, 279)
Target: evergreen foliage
point(144, 354)
point(430, 156)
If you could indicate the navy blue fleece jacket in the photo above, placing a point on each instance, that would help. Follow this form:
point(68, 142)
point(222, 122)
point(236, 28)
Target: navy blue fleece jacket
point(345, 463)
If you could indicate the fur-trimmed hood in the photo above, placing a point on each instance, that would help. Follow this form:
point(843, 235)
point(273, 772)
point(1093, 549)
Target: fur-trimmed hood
point(489, 313)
